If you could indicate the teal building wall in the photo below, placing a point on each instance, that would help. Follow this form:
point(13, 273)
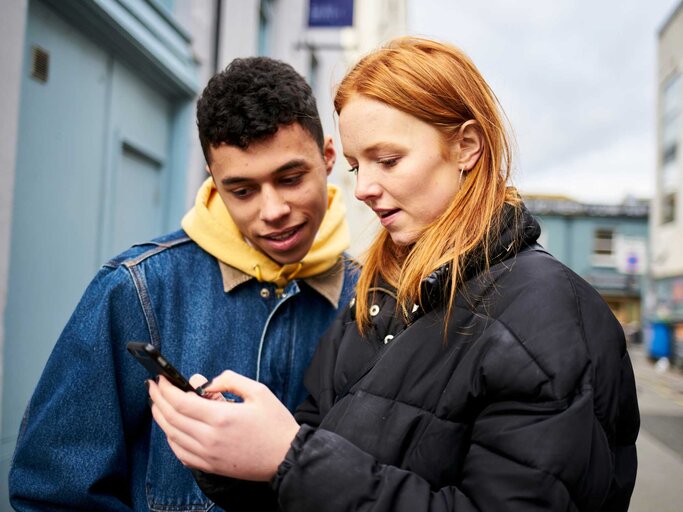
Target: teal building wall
point(569, 231)
point(107, 94)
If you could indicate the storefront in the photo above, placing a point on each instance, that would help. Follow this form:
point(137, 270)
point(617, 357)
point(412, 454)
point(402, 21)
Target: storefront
point(665, 312)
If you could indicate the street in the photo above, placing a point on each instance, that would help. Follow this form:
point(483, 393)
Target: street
point(659, 485)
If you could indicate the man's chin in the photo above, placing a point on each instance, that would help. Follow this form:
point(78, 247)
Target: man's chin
point(287, 259)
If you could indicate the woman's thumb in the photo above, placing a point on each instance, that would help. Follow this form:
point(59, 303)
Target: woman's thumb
point(234, 383)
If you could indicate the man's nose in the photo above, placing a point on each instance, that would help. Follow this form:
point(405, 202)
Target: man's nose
point(274, 206)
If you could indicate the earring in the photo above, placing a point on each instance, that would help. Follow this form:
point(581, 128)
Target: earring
point(462, 170)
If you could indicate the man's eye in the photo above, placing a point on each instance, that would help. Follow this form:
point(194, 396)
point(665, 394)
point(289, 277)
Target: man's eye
point(240, 193)
point(354, 169)
point(291, 180)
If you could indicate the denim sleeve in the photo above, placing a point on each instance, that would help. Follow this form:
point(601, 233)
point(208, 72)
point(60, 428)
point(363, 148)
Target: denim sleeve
point(89, 410)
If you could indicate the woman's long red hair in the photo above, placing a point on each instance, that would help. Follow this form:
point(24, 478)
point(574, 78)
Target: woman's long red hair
point(438, 84)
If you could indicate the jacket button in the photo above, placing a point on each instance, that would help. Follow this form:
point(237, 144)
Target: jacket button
point(265, 293)
point(374, 310)
point(388, 338)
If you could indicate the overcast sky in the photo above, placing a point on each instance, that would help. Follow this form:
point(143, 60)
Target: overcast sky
point(577, 79)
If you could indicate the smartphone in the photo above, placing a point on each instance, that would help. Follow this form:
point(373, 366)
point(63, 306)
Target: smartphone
point(156, 364)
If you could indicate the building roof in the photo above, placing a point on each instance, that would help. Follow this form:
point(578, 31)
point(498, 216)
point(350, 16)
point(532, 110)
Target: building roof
point(670, 18)
point(563, 206)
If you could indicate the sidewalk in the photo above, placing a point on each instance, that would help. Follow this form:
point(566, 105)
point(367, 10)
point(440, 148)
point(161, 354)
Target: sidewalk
point(668, 383)
point(660, 442)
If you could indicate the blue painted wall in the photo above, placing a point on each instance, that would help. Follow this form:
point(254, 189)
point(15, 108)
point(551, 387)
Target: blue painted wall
point(570, 239)
point(101, 161)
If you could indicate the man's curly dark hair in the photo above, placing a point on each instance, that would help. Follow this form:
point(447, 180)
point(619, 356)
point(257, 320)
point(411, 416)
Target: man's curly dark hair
point(250, 99)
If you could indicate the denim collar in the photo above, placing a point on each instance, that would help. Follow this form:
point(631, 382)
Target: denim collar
point(329, 284)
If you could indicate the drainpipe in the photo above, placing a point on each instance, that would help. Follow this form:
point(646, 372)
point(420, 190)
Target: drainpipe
point(217, 35)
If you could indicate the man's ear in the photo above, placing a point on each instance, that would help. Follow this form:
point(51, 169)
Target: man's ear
point(470, 144)
point(329, 154)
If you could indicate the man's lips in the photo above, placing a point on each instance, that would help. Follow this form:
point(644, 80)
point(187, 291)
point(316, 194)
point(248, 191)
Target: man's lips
point(283, 234)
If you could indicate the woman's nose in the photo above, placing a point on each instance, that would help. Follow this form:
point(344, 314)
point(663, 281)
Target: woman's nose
point(367, 185)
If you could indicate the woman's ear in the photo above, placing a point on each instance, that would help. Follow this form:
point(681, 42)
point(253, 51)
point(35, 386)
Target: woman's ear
point(470, 144)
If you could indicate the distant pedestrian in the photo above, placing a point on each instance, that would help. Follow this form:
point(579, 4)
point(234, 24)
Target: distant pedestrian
point(473, 371)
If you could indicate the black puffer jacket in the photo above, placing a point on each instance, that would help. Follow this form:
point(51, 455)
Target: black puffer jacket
point(529, 405)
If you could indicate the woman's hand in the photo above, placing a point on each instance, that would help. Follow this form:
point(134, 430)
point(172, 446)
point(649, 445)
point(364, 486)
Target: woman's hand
point(246, 440)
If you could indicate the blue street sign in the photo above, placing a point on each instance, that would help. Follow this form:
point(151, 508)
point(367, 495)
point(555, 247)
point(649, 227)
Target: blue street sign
point(330, 13)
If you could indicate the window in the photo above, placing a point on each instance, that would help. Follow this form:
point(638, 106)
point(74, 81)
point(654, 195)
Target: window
point(670, 154)
point(671, 96)
point(603, 247)
point(669, 208)
point(167, 4)
point(265, 26)
point(670, 129)
point(670, 177)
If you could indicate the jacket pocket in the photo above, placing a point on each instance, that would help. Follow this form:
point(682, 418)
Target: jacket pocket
point(439, 450)
point(170, 486)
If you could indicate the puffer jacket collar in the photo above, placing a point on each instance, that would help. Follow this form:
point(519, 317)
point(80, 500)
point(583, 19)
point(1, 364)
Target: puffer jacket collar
point(518, 231)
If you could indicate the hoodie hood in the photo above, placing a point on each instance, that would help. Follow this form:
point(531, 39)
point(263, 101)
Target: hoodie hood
point(210, 225)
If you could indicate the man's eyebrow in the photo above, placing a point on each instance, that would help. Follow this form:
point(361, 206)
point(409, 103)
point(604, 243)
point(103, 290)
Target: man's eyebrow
point(292, 164)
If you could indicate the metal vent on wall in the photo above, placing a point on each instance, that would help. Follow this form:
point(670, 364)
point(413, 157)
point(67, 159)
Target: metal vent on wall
point(40, 64)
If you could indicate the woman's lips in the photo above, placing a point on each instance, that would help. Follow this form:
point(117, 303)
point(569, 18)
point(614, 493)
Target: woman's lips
point(386, 217)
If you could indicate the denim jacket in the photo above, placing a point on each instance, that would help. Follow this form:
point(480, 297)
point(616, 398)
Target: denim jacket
point(88, 442)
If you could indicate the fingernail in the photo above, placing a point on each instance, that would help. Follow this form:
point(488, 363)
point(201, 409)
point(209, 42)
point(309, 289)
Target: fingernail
point(203, 387)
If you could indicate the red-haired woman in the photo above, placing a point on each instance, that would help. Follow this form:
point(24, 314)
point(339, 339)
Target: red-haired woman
point(473, 372)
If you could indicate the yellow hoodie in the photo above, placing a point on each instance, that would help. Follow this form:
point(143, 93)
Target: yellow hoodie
point(210, 225)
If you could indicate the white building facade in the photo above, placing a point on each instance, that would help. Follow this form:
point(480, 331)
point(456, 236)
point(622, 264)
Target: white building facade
point(665, 302)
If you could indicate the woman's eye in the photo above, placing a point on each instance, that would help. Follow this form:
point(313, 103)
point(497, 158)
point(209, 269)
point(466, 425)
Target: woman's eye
point(354, 169)
point(388, 162)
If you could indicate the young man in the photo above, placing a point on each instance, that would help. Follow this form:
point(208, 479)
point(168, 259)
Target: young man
point(250, 283)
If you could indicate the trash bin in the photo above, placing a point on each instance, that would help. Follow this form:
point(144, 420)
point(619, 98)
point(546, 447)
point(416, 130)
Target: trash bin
point(660, 340)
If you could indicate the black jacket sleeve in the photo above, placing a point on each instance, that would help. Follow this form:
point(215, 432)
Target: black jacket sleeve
point(324, 472)
point(236, 495)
